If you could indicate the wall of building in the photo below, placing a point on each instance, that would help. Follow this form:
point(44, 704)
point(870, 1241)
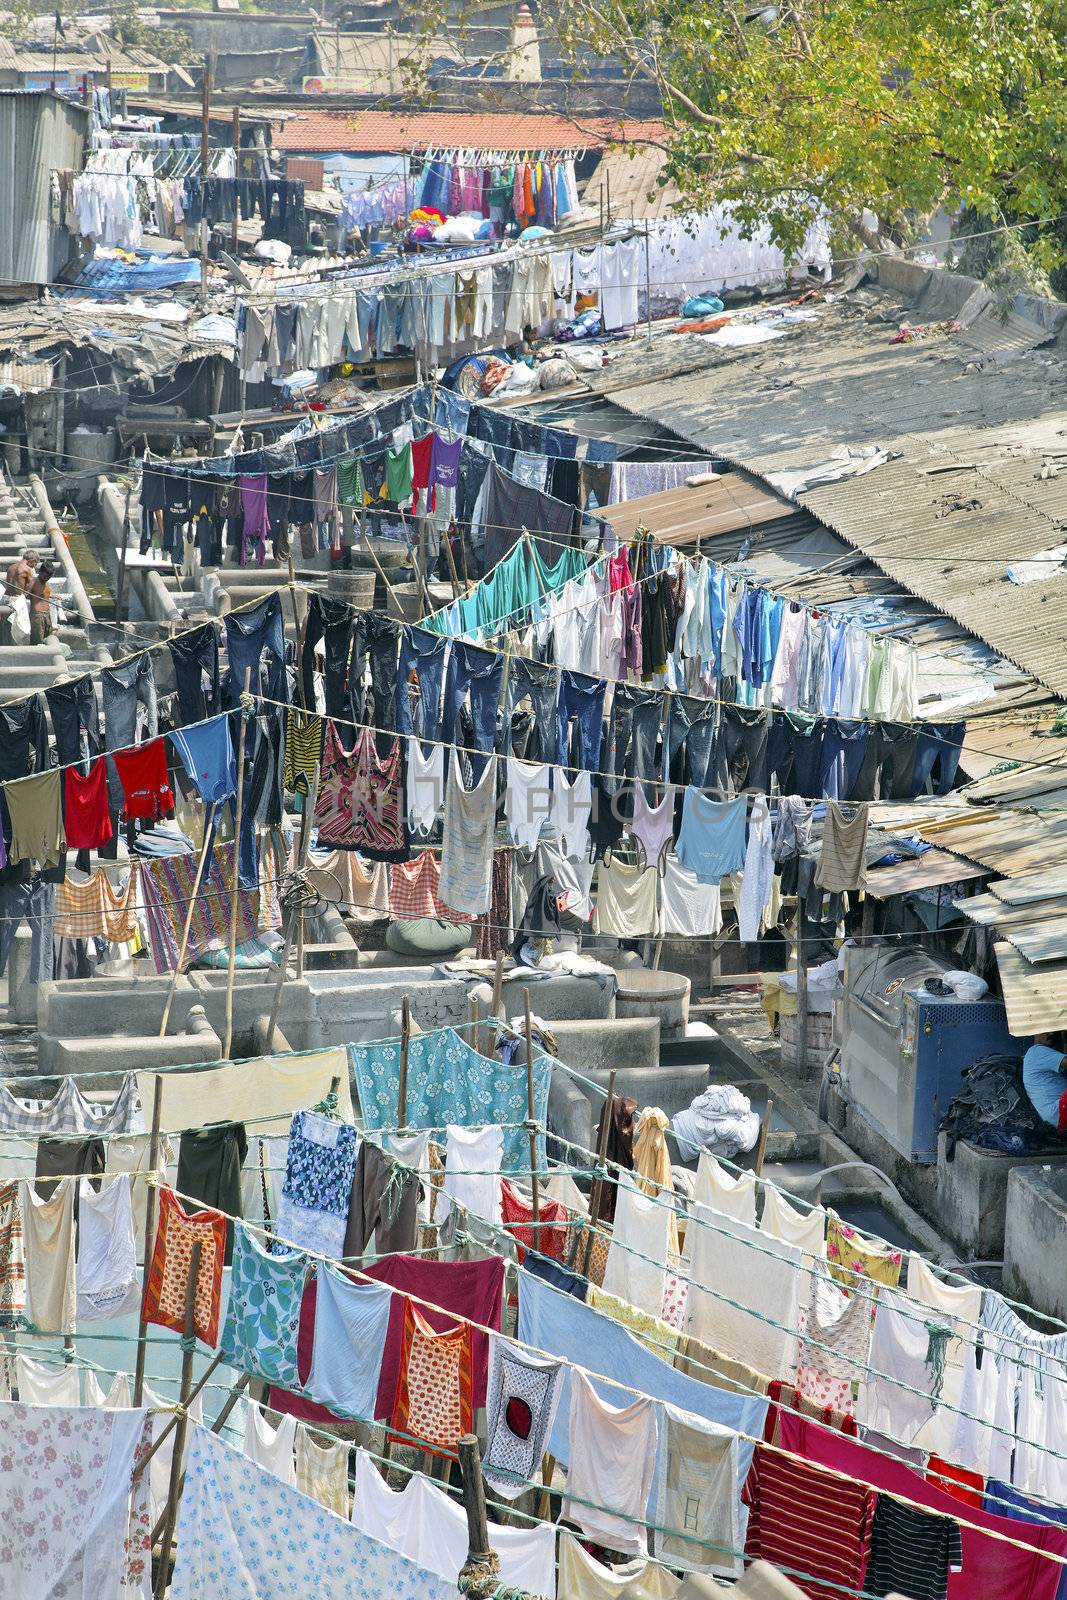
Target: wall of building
point(39, 133)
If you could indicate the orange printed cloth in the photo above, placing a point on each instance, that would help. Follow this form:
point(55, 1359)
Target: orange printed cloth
point(434, 1384)
point(176, 1233)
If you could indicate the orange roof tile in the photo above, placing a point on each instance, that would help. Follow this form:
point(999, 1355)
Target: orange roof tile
point(372, 132)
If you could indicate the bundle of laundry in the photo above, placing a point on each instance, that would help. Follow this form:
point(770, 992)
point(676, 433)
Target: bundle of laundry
point(720, 1119)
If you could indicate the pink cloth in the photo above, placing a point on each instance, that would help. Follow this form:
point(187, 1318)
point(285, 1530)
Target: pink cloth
point(991, 1570)
point(472, 1289)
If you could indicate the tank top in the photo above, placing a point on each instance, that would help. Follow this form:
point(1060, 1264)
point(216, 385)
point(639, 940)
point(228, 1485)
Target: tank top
point(528, 801)
point(360, 802)
point(653, 826)
point(425, 786)
point(571, 804)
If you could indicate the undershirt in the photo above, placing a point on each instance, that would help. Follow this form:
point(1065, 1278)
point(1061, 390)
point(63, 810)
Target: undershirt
point(612, 1458)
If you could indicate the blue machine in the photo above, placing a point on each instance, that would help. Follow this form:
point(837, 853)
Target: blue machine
point(903, 1051)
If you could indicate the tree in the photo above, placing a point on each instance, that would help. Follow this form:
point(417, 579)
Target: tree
point(893, 107)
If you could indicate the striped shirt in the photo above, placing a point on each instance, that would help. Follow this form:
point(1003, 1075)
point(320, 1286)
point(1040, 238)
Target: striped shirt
point(912, 1552)
point(303, 750)
point(814, 1526)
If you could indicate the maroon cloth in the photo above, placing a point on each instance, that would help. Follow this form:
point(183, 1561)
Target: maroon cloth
point(991, 1570)
point(472, 1289)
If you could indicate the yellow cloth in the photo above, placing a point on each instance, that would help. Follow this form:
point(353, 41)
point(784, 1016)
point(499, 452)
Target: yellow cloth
point(658, 1335)
point(775, 999)
point(264, 1091)
point(851, 1256)
point(652, 1165)
point(322, 1471)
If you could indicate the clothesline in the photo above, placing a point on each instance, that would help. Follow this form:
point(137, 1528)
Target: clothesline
point(613, 1382)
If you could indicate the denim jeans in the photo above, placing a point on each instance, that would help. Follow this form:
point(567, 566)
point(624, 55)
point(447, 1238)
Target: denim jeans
point(248, 635)
point(937, 756)
point(742, 752)
point(36, 902)
point(424, 654)
point(795, 754)
point(377, 638)
point(333, 621)
point(844, 748)
point(195, 655)
point(541, 684)
point(74, 710)
point(581, 699)
point(689, 752)
point(478, 673)
point(123, 687)
point(633, 728)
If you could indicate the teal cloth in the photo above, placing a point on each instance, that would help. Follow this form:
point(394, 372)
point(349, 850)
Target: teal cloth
point(450, 1082)
point(263, 1315)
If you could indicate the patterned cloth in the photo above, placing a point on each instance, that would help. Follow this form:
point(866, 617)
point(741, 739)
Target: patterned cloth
point(360, 804)
point(319, 1169)
point(167, 887)
point(65, 1503)
point(413, 889)
point(521, 1401)
point(12, 1256)
point(657, 1335)
point(95, 910)
point(835, 1344)
point(176, 1233)
point(850, 1256)
point(448, 1081)
point(70, 1112)
point(434, 1383)
point(243, 1534)
point(698, 1495)
point(303, 750)
point(493, 933)
point(322, 1471)
point(263, 1315)
point(517, 1216)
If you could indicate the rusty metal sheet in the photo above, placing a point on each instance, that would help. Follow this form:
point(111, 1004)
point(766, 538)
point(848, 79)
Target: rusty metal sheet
point(927, 871)
point(1035, 997)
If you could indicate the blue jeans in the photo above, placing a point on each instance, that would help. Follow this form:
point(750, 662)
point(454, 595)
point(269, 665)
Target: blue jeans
point(540, 682)
point(690, 745)
point(478, 673)
point(937, 752)
point(636, 718)
point(248, 634)
point(844, 746)
point(581, 699)
point(424, 654)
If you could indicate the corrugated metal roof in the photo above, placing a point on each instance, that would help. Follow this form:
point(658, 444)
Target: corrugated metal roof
point(39, 133)
point(839, 382)
point(631, 176)
point(928, 871)
point(1035, 998)
point(27, 375)
point(363, 131)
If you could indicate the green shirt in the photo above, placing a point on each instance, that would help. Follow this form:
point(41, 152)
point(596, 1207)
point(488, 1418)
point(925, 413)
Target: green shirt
point(398, 475)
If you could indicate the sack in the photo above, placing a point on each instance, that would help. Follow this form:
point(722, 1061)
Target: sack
point(20, 620)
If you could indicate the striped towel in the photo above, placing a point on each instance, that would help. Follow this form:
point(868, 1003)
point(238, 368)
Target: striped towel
point(94, 909)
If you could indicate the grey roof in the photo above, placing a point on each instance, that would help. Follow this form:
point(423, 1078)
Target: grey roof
point(974, 429)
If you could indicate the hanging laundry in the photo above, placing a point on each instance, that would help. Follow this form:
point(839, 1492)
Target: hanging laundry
point(85, 809)
point(322, 1471)
point(270, 1444)
point(228, 1535)
point(108, 1282)
point(711, 840)
point(722, 1191)
point(48, 1241)
point(853, 1257)
point(414, 889)
point(40, 1385)
point(434, 1382)
point(94, 909)
point(351, 1324)
point(697, 1496)
point(35, 811)
point(142, 774)
point(69, 1112)
point(467, 858)
point(206, 752)
point(304, 736)
point(582, 1577)
point(523, 1394)
point(176, 1233)
point(611, 1462)
point(517, 1215)
point(785, 1221)
point(472, 1169)
point(263, 1312)
point(626, 900)
point(318, 1182)
point(842, 860)
point(360, 804)
point(803, 1520)
point(12, 1256)
point(907, 1366)
point(637, 1258)
point(764, 1278)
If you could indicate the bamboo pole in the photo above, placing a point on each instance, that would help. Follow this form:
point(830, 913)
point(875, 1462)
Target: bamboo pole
point(535, 1182)
point(765, 1128)
point(283, 965)
point(216, 1427)
point(183, 1423)
point(498, 986)
point(231, 963)
point(598, 1182)
point(151, 1208)
point(209, 829)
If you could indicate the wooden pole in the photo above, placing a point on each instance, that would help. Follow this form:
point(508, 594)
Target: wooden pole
point(209, 827)
point(474, 1012)
point(535, 1182)
point(405, 1042)
point(764, 1132)
point(205, 131)
point(183, 1422)
point(216, 1427)
point(479, 1573)
point(598, 1182)
point(231, 963)
point(498, 987)
point(802, 996)
point(237, 172)
point(295, 916)
point(149, 1235)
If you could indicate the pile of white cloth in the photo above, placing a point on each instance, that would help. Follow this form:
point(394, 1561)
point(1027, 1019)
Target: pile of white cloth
point(720, 1119)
